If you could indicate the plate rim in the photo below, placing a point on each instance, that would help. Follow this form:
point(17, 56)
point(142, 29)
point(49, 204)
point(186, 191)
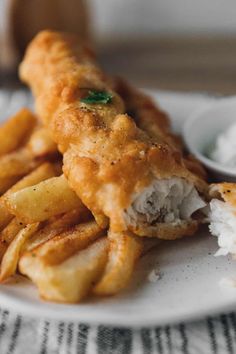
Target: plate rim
point(34, 311)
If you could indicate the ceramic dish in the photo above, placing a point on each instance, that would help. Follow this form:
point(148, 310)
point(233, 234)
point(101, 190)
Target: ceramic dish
point(201, 130)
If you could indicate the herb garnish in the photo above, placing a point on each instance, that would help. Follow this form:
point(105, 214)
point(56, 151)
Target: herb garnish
point(96, 97)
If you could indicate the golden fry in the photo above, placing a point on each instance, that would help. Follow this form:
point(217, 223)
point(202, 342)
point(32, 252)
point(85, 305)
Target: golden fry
point(18, 163)
point(40, 143)
point(124, 250)
point(43, 200)
point(7, 182)
point(11, 257)
point(8, 234)
point(57, 226)
point(11, 230)
point(64, 245)
point(5, 215)
point(41, 173)
point(71, 280)
point(15, 130)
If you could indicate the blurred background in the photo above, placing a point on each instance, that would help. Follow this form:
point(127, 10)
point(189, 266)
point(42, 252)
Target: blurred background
point(167, 44)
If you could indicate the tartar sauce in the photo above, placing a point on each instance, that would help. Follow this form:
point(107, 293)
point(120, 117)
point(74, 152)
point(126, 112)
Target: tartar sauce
point(224, 149)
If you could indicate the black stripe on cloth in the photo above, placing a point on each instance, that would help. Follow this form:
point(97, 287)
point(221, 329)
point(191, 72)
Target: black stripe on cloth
point(122, 340)
point(168, 338)
point(82, 338)
point(146, 340)
point(61, 331)
point(4, 318)
point(226, 332)
point(69, 337)
point(110, 340)
point(104, 340)
point(232, 318)
point(158, 339)
point(43, 347)
point(184, 338)
point(212, 335)
point(15, 334)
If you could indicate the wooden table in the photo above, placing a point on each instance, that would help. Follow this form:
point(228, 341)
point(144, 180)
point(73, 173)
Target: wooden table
point(180, 63)
point(187, 64)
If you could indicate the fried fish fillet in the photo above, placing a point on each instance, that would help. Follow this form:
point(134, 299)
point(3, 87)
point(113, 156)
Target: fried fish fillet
point(222, 216)
point(132, 177)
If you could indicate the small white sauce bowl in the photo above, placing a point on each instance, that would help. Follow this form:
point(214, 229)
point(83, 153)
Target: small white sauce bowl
point(201, 130)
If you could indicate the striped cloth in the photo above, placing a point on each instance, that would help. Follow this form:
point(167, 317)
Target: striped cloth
point(22, 336)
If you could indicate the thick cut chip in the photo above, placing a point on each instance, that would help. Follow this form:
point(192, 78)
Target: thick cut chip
point(43, 200)
point(56, 226)
point(11, 257)
point(41, 173)
point(40, 143)
point(5, 215)
point(124, 250)
point(7, 182)
point(64, 245)
point(17, 164)
point(8, 234)
point(71, 280)
point(15, 130)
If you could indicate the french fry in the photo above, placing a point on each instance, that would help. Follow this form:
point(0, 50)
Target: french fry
point(11, 257)
point(64, 245)
point(7, 182)
point(5, 215)
point(124, 250)
point(17, 164)
point(71, 280)
point(57, 226)
point(8, 234)
point(15, 130)
point(41, 173)
point(43, 200)
point(41, 144)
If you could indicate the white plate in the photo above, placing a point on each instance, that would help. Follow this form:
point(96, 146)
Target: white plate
point(189, 285)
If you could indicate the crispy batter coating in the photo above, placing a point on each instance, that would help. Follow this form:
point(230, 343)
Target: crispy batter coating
point(145, 113)
point(107, 157)
point(152, 120)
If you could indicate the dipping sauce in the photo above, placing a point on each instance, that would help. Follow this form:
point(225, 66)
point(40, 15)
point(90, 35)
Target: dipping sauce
point(224, 149)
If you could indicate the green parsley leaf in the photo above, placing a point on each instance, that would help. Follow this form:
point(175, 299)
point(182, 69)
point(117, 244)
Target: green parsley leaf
point(96, 97)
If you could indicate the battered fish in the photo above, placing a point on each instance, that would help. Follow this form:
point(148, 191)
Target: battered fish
point(132, 177)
